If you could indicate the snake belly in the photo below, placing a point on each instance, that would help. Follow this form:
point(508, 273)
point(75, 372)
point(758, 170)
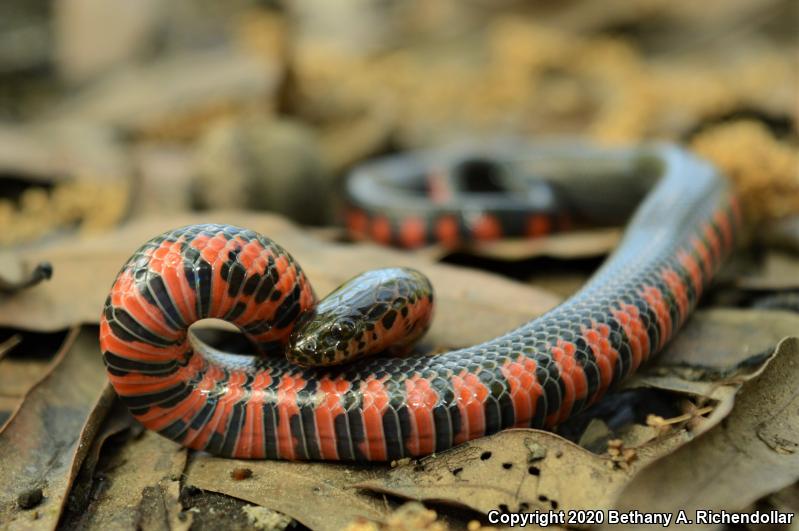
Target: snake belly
point(383, 409)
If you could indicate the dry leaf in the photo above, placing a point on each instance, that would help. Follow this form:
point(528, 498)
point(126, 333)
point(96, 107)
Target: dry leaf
point(515, 470)
point(716, 352)
point(786, 499)
point(30, 361)
point(707, 362)
point(117, 421)
point(321, 496)
point(717, 340)
point(57, 153)
point(43, 445)
point(140, 490)
point(780, 271)
point(8, 345)
point(782, 234)
point(18, 375)
point(472, 306)
point(40, 272)
point(754, 452)
point(8, 404)
point(73, 176)
point(174, 95)
point(567, 245)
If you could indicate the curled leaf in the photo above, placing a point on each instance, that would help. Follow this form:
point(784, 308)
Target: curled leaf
point(515, 470)
point(43, 445)
point(289, 487)
point(42, 271)
point(753, 453)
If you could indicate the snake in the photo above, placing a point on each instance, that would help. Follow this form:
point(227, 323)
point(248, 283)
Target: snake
point(384, 408)
point(479, 192)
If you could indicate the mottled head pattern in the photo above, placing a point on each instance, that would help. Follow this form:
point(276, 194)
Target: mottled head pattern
point(380, 310)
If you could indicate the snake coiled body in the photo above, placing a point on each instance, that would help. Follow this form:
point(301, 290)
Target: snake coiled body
point(383, 409)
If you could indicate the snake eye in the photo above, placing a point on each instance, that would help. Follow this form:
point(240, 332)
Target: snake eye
point(309, 345)
point(342, 330)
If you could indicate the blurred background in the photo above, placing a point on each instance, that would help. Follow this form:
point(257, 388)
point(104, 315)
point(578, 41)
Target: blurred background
point(120, 118)
point(112, 109)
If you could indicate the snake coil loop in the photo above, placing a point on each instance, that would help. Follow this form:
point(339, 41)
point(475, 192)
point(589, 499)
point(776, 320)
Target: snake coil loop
point(383, 409)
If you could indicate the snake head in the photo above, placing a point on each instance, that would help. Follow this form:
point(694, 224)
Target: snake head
point(380, 311)
point(322, 338)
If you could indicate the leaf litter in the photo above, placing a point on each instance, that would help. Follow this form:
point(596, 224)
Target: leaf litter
point(706, 365)
point(585, 76)
point(493, 302)
point(45, 441)
point(753, 453)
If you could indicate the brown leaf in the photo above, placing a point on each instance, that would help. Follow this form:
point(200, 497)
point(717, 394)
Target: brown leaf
point(8, 404)
point(260, 162)
point(40, 272)
point(9, 344)
point(19, 372)
point(117, 421)
point(560, 280)
point(85, 49)
point(164, 183)
point(786, 499)
point(55, 153)
point(716, 352)
point(176, 519)
point(781, 234)
point(321, 496)
point(567, 245)
point(780, 271)
point(472, 306)
point(754, 452)
point(720, 339)
point(73, 176)
point(515, 470)
point(43, 445)
point(707, 362)
point(140, 489)
point(185, 87)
